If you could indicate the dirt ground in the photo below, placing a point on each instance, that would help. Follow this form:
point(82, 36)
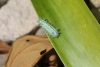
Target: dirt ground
point(2, 59)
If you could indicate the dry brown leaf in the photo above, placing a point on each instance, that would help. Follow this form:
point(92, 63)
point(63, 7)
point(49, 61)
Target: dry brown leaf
point(4, 47)
point(27, 51)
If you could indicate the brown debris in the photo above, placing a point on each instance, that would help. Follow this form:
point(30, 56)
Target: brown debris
point(4, 47)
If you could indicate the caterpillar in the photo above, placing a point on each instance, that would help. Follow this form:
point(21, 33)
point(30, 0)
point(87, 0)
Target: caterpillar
point(49, 28)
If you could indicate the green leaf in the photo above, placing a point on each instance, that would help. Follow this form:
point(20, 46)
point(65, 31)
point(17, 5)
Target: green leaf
point(79, 42)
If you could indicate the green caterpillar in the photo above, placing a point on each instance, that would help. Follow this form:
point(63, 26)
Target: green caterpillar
point(49, 28)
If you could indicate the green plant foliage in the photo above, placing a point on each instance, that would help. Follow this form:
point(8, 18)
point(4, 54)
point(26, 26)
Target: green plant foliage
point(79, 42)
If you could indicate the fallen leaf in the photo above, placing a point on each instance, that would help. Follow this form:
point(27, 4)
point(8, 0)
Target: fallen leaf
point(27, 51)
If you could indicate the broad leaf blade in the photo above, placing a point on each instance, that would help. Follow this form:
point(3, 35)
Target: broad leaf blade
point(78, 44)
